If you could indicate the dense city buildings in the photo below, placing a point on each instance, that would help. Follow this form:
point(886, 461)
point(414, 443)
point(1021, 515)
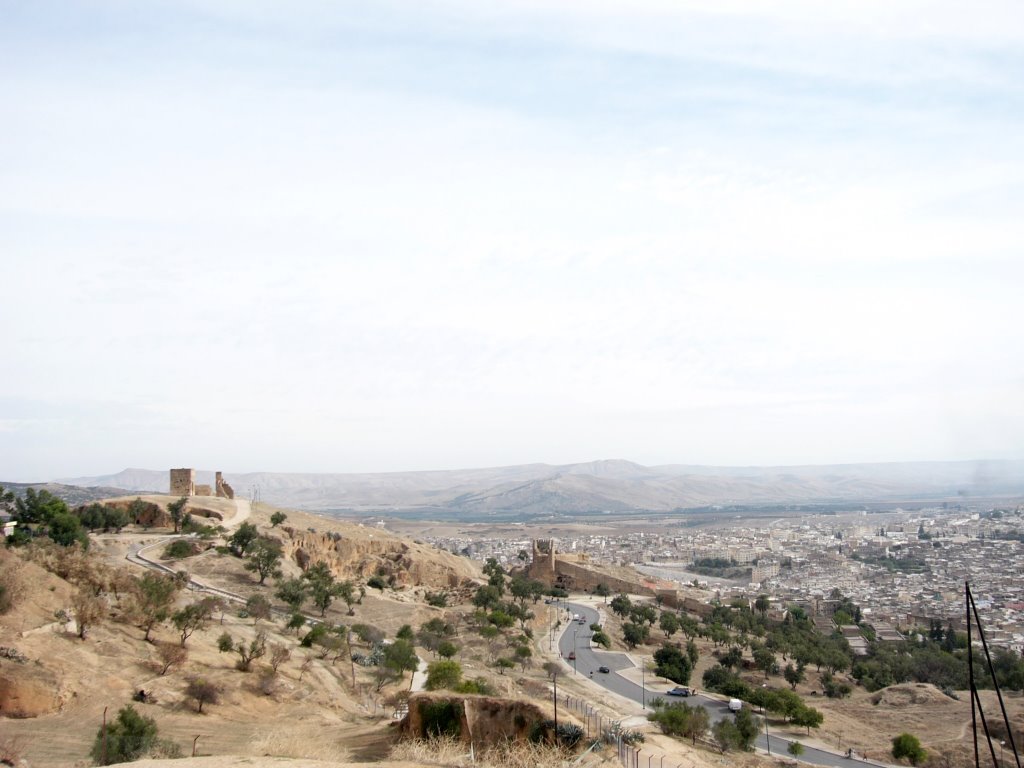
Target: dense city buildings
point(904, 569)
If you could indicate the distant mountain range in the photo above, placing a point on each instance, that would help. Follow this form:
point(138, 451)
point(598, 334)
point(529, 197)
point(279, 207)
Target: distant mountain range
point(603, 486)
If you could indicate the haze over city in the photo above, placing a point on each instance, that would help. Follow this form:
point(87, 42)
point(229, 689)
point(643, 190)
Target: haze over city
point(340, 238)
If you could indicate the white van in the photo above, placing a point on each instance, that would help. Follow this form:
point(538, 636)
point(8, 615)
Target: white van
point(735, 705)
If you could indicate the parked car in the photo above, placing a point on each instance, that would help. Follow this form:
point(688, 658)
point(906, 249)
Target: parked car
point(735, 705)
point(603, 669)
point(572, 655)
point(680, 690)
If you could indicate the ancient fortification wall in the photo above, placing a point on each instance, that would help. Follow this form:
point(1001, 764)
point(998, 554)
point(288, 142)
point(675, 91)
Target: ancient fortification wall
point(578, 577)
point(183, 483)
point(571, 572)
point(674, 599)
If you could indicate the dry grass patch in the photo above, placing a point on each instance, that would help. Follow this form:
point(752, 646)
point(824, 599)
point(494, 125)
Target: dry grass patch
point(284, 743)
point(455, 753)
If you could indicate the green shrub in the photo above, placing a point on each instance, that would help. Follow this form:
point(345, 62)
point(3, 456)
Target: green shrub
point(443, 674)
point(908, 746)
point(128, 738)
point(477, 685)
point(179, 549)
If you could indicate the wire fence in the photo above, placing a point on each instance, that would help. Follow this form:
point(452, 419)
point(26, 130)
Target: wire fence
point(599, 727)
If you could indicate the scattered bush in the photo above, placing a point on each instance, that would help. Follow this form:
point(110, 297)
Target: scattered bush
point(179, 549)
point(128, 738)
point(680, 719)
point(247, 654)
point(437, 599)
point(203, 692)
point(836, 690)
point(258, 607)
point(170, 655)
point(443, 674)
point(279, 654)
point(908, 746)
point(477, 685)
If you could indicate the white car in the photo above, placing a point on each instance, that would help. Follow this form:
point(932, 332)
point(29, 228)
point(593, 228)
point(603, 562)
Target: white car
point(735, 705)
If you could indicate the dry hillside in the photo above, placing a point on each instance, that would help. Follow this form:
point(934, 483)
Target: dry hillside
point(316, 705)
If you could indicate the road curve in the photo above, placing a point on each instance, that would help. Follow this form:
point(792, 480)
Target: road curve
point(576, 638)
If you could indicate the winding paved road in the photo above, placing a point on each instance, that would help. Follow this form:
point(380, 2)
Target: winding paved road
point(576, 637)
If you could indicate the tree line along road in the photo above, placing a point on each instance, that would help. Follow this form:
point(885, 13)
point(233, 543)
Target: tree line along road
point(575, 638)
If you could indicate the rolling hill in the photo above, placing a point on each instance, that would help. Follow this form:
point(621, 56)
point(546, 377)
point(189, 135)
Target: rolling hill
point(599, 486)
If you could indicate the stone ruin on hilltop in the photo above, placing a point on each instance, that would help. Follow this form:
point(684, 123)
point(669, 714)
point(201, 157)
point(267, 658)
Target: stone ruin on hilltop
point(183, 483)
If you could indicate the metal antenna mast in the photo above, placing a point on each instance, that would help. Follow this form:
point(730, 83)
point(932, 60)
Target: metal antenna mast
point(976, 709)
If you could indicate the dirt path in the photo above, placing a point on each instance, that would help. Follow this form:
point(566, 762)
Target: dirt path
point(242, 511)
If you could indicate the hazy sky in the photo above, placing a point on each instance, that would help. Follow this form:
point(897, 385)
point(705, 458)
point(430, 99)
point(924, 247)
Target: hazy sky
point(333, 236)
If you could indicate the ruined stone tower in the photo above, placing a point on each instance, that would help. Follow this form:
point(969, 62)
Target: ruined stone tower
point(183, 482)
point(542, 565)
point(224, 491)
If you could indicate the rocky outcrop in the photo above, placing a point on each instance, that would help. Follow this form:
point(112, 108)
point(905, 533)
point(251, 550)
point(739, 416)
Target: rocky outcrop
point(359, 553)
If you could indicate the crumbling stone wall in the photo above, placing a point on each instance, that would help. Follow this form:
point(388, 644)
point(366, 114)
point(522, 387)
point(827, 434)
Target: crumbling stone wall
point(675, 599)
point(542, 564)
point(224, 491)
point(577, 577)
point(183, 482)
point(561, 571)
